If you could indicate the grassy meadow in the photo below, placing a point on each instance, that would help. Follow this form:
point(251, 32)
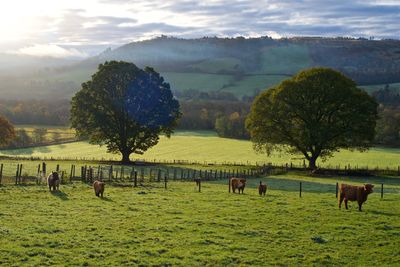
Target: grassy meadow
point(180, 226)
point(206, 147)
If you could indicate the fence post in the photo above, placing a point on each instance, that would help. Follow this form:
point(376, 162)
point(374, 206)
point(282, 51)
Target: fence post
point(135, 179)
point(229, 184)
point(82, 173)
point(38, 174)
point(44, 169)
point(70, 174)
point(337, 189)
point(199, 185)
point(1, 172)
point(58, 168)
point(381, 191)
point(300, 189)
point(20, 173)
point(165, 181)
point(159, 176)
point(16, 174)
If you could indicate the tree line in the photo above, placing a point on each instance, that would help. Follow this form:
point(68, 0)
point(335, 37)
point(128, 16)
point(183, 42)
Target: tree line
point(222, 112)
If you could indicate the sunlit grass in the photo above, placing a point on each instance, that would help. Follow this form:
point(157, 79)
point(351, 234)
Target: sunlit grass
point(205, 147)
point(179, 226)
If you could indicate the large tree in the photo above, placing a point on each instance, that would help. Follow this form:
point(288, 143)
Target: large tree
point(7, 132)
point(315, 113)
point(125, 108)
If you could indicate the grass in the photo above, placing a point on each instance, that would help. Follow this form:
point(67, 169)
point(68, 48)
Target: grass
point(53, 134)
point(285, 59)
point(197, 81)
point(205, 147)
point(251, 83)
point(179, 226)
point(372, 88)
point(217, 64)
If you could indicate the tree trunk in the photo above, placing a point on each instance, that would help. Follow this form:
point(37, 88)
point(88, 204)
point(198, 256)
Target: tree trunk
point(312, 163)
point(125, 156)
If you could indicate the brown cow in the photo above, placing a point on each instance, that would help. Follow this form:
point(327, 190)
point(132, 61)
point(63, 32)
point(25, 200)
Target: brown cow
point(238, 183)
point(262, 189)
point(53, 181)
point(98, 188)
point(354, 193)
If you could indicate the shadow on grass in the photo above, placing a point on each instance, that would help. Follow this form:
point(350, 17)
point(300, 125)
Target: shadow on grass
point(25, 151)
point(284, 184)
point(378, 212)
point(61, 195)
point(106, 199)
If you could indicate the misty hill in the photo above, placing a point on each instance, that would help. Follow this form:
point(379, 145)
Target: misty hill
point(237, 65)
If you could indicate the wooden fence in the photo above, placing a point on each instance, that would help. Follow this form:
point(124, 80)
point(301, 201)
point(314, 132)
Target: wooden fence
point(15, 174)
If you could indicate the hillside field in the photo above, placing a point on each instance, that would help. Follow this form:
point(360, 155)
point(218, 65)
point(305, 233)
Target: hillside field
point(182, 227)
point(206, 147)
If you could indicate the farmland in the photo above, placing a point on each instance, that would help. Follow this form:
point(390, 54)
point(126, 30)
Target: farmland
point(179, 226)
point(206, 147)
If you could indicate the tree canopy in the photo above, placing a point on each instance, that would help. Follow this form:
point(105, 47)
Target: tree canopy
point(315, 113)
point(125, 108)
point(7, 132)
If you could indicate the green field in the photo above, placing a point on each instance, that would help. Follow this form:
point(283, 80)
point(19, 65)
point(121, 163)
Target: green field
point(181, 227)
point(288, 59)
point(372, 88)
point(53, 134)
point(203, 147)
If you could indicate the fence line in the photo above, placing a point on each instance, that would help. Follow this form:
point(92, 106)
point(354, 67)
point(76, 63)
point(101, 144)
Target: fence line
point(340, 169)
point(15, 173)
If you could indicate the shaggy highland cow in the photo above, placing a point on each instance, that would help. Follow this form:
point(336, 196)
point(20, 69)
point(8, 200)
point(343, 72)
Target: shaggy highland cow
point(354, 193)
point(98, 188)
point(238, 183)
point(262, 189)
point(53, 181)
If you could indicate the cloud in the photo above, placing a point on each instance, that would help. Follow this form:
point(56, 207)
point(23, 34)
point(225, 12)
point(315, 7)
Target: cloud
point(50, 50)
point(105, 23)
point(283, 17)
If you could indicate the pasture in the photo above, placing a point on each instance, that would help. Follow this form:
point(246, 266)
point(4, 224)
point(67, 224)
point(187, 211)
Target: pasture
point(205, 147)
point(180, 226)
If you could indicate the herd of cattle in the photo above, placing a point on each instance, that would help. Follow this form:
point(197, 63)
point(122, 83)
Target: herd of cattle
point(347, 192)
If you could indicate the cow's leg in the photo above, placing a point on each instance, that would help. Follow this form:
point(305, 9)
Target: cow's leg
point(50, 187)
point(345, 203)
point(101, 194)
point(341, 197)
point(359, 206)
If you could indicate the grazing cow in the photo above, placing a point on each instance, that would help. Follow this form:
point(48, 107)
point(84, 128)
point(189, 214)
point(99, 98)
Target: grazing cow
point(53, 180)
point(354, 193)
point(262, 189)
point(238, 183)
point(98, 188)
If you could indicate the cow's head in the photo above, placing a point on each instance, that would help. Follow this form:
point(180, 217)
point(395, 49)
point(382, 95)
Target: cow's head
point(55, 175)
point(368, 188)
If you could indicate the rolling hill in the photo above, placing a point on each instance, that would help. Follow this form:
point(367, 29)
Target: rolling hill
point(237, 65)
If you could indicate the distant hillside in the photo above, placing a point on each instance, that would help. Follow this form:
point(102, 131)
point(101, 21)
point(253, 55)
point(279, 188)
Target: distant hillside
point(238, 65)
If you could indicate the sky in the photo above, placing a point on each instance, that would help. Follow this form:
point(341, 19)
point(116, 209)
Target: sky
point(81, 28)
